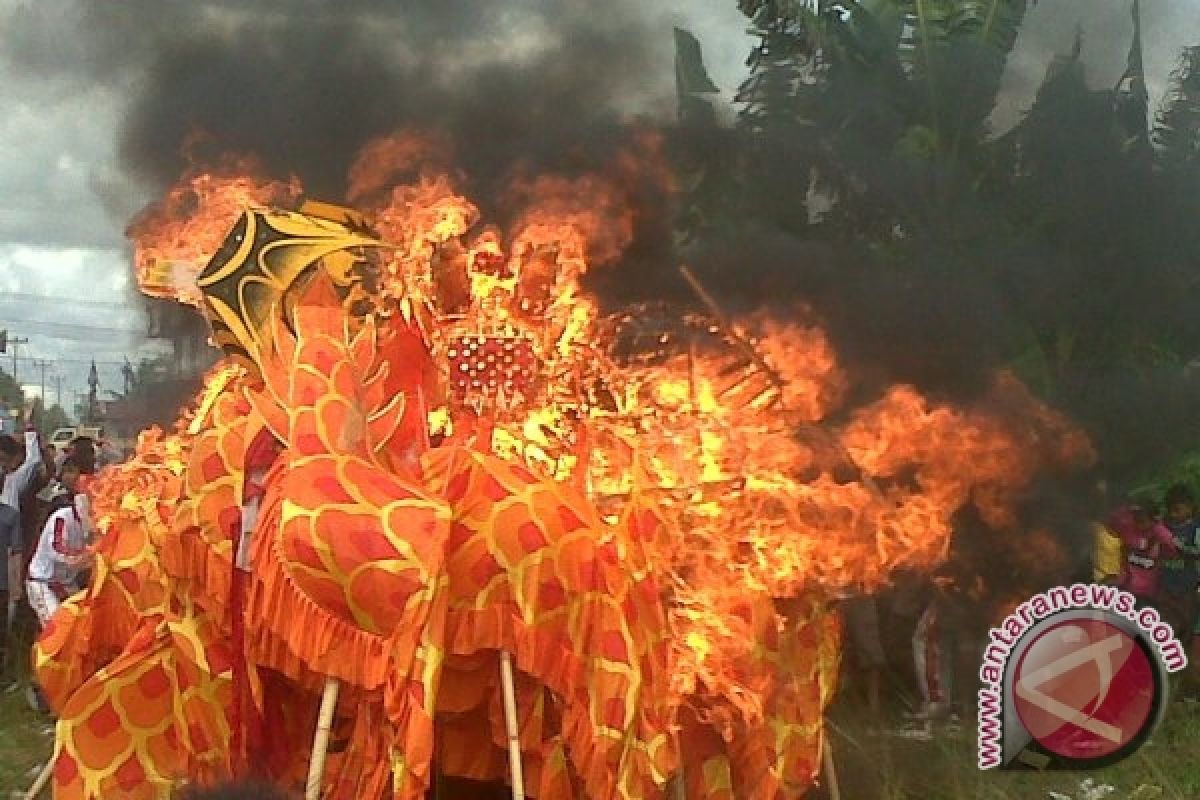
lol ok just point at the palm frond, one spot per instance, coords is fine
(1177, 123)
(958, 49)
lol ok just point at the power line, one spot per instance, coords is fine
(59, 300)
(68, 328)
(99, 362)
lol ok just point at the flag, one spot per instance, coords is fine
(3, 341)
(1132, 99)
(690, 75)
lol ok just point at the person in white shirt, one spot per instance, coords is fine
(60, 559)
(19, 469)
(61, 491)
(22, 468)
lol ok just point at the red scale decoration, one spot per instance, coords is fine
(490, 367)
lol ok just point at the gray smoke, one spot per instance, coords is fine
(536, 84)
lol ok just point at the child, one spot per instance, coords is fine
(931, 654)
(862, 626)
(60, 559)
(1147, 543)
(1178, 584)
(60, 493)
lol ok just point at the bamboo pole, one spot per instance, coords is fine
(316, 765)
(43, 778)
(835, 793)
(775, 378)
(510, 726)
(730, 329)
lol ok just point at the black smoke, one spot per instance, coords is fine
(523, 87)
(526, 86)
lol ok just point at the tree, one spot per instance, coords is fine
(11, 395)
(55, 417)
(1065, 249)
(780, 100)
(1177, 126)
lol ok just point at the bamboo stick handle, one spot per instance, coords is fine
(775, 378)
(510, 726)
(715, 309)
(316, 765)
(831, 779)
(43, 778)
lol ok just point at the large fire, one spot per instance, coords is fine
(763, 491)
(175, 237)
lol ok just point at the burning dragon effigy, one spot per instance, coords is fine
(428, 454)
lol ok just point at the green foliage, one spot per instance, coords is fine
(1069, 234)
(1177, 127)
(10, 393)
(54, 417)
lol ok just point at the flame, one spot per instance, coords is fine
(728, 434)
(385, 159)
(174, 238)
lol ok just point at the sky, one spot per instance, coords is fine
(65, 280)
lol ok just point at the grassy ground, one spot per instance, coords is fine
(871, 766)
(889, 767)
(25, 742)
(26, 738)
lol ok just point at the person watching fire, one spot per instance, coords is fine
(60, 559)
(1179, 577)
(21, 468)
(1147, 542)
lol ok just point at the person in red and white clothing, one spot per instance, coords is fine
(61, 557)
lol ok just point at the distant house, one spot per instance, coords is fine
(154, 403)
(158, 399)
(187, 332)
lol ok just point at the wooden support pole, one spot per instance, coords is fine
(727, 325)
(43, 778)
(316, 765)
(510, 726)
(831, 780)
(777, 380)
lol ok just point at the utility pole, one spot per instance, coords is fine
(42, 364)
(58, 391)
(16, 342)
(41, 406)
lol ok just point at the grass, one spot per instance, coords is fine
(26, 738)
(25, 742)
(870, 766)
(886, 767)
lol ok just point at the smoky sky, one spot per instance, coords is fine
(536, 85)
(529, 86)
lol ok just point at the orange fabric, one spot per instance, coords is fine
(401, 572)
(776, 756)
(533, 570)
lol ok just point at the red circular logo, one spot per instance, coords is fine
(1084, 689)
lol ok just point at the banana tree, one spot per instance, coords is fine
(1177, 127)
(914, 80)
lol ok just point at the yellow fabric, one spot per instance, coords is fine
(1106, 554)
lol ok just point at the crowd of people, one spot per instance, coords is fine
(1154, 554)
(1151, 550)
(45, 525)
(928, 610)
